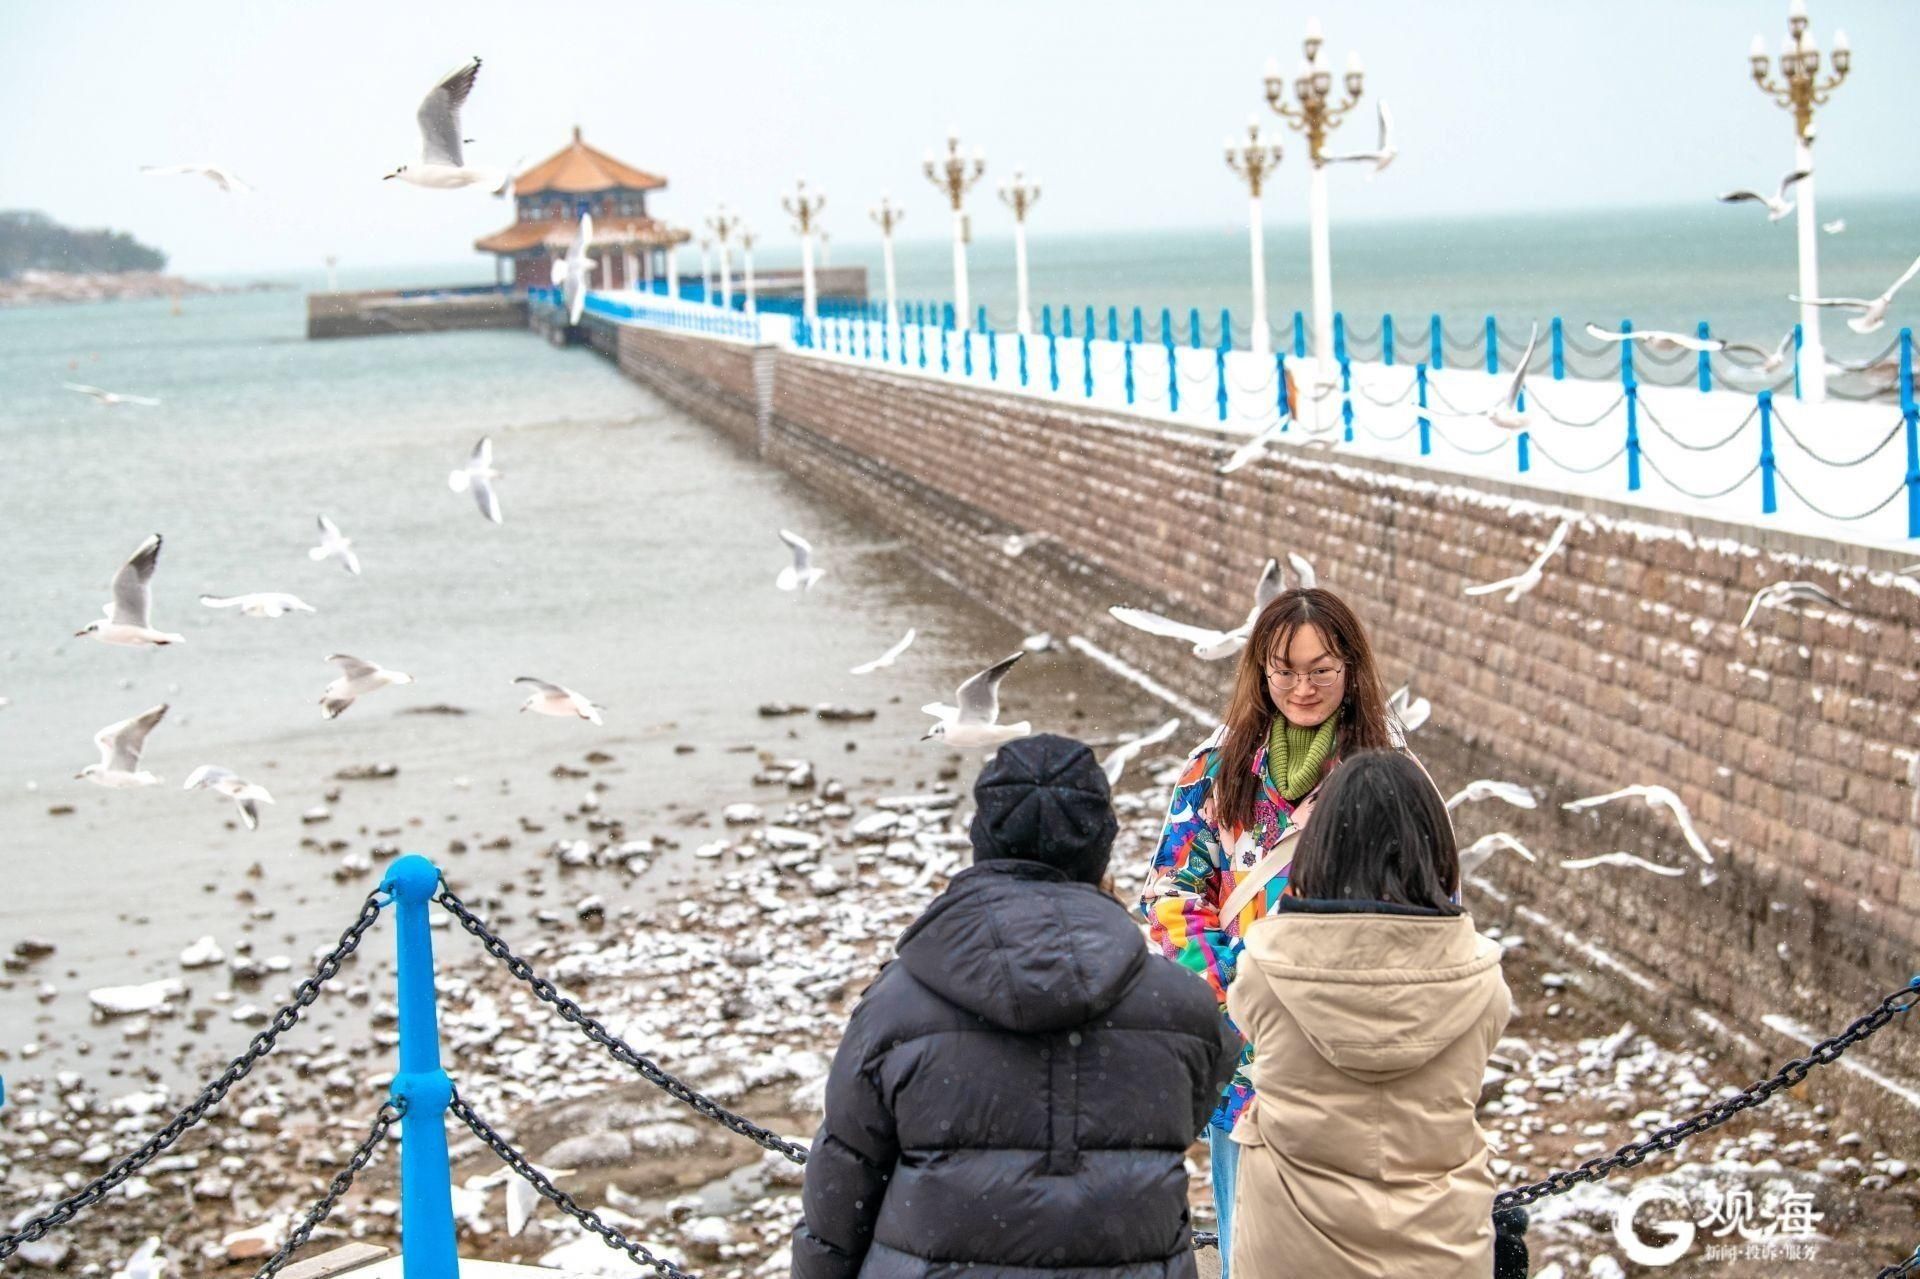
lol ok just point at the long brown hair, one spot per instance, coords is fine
(1251, 711)
(1379, 833)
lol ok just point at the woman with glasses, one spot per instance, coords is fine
(1306, 694)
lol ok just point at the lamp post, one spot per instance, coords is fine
(1253, 160)
(706, 269)
(1315, 115)
(1020, 195)
(955, 176)
(805, 210)
(886, 215)
(746, 255)
(724, 225)
(1800, 89)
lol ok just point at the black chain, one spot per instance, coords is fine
(1533, 401)
(1824, 513)
(1815, 454)
(1681, 489)
(390, 1112)
(560, 1198)
(1653, 419)
(284, 1020)
(1824, 1053)
(621, 1052)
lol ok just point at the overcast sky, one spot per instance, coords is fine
(1119, 107)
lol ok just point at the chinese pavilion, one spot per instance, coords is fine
(548, 201)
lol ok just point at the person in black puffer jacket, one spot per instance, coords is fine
(1017, 1093)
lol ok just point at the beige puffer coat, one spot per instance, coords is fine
(1371, 1032)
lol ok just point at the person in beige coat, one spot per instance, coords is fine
(1372, 1004)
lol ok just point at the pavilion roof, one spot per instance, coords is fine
(578, 169)
(559, 232)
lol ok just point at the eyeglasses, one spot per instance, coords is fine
(1319, 676)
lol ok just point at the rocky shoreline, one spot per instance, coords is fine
(37, 288)
(730, 958)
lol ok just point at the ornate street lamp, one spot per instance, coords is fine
(1800, 89)
(1315, 113)
(1253, 160)
(886, 215)
(955, 176)
(805, 211)
(746, 254)
(1020, 195)
(724, 225)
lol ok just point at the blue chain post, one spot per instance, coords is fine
(1493, 346)
(426, 1183)
(1280, 375)
(966, 352)
(1426, 424)
(1046, 321)
(1053, 360)
(1226, 329)
(1066, 322)
(1346, 398)
(1799, 339)
(1020, 340)
(1769, 499)
(886, 355)
(1340, 337)
(1220, 380)
(1633, 409)
(1136, 326)
(946, 365)
(993, 357)
(866, 337)
(1910, 414)
(1299, 335)
(1559, 350)
(1193, 327)
(1173, 364)
(1126, 357)
(1436, 358)
(980, 319)
(1386, 340)
(1113, 324)
(923, 345)
(1086, 356)
(1706, 360)
(946, 316)
(1090, 333)
(1526, 452)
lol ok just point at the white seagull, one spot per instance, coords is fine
(1382, 155)
(246, 795)
(1655, 797)
(110, 399)
(557, 699)
(801, 574)
(224, 178)
(1873, 311)
(1621, 859)
(1302, 569)
(1254, 447)
(1208, 645)
(1409, 711)
(1834, 227)
(120, 746)
(1662, 341)
(441, 165)
(1117, 759)
(1777, 205)
(1770, 361)
(126, 617)
(1782, 593)
(1507, 414)
(260, 603)
(1529, 577)
(573, 272)
(335, 545)
(1475, 791)
(887, 658)
(1477, 854)
(357, 679)
(477, 477)
(975, 721)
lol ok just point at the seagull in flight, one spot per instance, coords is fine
(477, 477)
(127, 618)
(575, 271)
(1382, 155)
(1621, 859)
(1208, 645)
(887, 658)
(1777, 205)
(558, 700)
(1529, 577)
(975, 721)
(120, 746)
(1254, 447)
(110, 399)
(801, 574)
(1661, 341)
(1303, 570)
(357, 679)
(441, 164)
(246, 796)
(1834, 227)
(1873, 311)
(1408, 711)
(1769, 361)
(1475, 791)
(1508, 415)
(335, 545)
(226, 179)
(1783, 593)
(1654, 797)
(260, 603)
(1117, 759)
(1480, 851)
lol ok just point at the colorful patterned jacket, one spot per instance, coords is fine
(1194, 872)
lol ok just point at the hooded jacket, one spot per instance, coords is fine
(1017, 1094)
(1372, 1026)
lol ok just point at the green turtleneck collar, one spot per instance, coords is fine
(1296, 755)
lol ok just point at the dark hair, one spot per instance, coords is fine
(1379, 833)
(1251, 710)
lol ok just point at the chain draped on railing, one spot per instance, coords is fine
(390, 1113)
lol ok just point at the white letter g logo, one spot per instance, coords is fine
(1679, 1232)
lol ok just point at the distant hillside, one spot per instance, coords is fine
(30, 240)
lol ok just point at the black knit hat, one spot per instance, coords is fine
(1045, 799)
